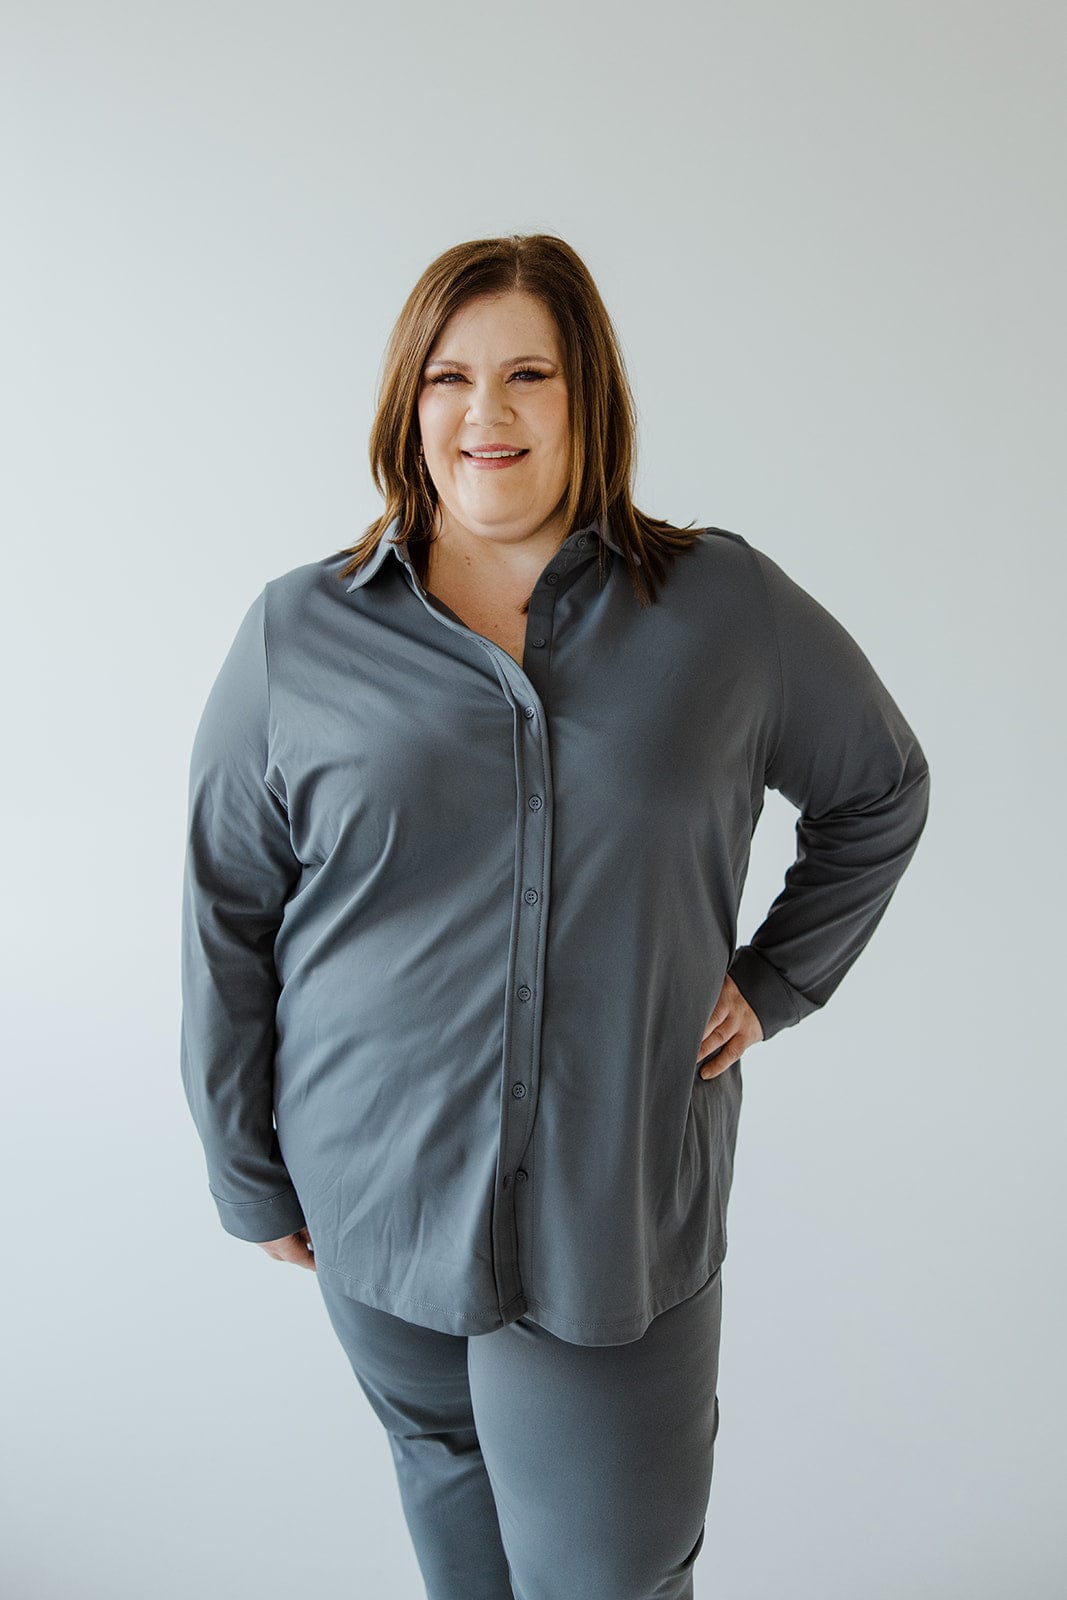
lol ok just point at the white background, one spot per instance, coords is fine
(831, 238)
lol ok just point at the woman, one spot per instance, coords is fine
(470, 806)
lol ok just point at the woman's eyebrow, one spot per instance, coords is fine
(447, 361)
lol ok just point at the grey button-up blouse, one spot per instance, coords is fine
(452, 928)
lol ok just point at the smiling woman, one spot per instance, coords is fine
(470, 815)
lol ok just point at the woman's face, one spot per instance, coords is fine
(494, 377)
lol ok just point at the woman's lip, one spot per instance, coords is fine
(483, 464)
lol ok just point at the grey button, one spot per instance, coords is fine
(537, 643)
(528, 711)
(536, 802)
(531, 897)
(524, 991)
(520, 1175)
(519, 1091)
(551, 577)
(583, 540)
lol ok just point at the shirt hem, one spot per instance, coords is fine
(573, 1330)
(624, 1330)
(425, 1313)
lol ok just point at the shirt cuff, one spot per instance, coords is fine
(261, 1220)
(772, 999)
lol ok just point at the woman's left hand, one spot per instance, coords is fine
(730, 1029)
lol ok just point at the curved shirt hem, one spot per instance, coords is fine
(573, 1330)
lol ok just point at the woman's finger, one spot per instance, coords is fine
(721, 1063)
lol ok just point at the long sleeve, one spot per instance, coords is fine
(843, 754)
(239, 870)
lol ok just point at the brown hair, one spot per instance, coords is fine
(603, 415)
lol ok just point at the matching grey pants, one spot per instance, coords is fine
(534, 1469)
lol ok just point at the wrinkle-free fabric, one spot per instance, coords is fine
(452, 927)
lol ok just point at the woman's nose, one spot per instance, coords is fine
(488, 403)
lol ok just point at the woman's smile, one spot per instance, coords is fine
(483, 463)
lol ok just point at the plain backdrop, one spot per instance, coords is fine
(831, 238)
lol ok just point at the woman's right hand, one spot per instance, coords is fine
(295, 1247)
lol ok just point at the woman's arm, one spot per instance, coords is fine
(844, 755)
(239, 871)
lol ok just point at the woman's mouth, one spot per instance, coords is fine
(492, 460)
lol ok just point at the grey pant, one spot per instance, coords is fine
(536, 1469)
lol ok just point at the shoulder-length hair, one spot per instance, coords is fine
(602, 413)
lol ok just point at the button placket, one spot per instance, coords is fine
(526, 974)
(525, 689)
